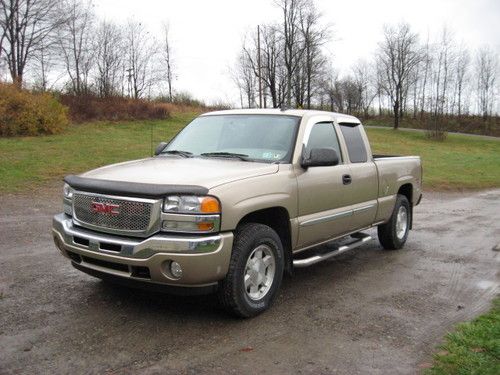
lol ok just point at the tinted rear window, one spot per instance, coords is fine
(355, 144)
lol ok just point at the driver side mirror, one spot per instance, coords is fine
(160, 148)
(320, 157)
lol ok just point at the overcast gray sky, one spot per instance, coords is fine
(207, 35)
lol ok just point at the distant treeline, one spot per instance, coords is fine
(61, 44)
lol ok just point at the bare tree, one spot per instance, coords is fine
(440, 79)
(365, 84)
(312, 61)
(245, 79)
(272, 71)
(292, 64)
(4, 21)
(398, 55)
(486, 70)
(425, 69)
(141, 50)
(442, 66)
(75, 41)
(109, 51)
(461, 71)
(25, 25)
(290, 10)
(44, 63)
(167, 58)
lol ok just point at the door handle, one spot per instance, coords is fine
(346, 179)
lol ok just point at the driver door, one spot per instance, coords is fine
(324, 199)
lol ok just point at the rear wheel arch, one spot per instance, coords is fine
(407, 190)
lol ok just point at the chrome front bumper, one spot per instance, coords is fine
(204, 259)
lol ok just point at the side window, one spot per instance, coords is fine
(355, 143)
(323, 136)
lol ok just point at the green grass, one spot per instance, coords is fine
(460, 162)
(472, 349)
(28, 163)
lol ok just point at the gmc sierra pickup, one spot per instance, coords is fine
(233, 201)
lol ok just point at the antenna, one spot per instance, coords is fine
(152, 125)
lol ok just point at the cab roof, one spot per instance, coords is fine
(339, 117)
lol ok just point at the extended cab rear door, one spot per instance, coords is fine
(363, 185)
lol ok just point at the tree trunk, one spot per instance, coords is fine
(17, 80)
(396, 114)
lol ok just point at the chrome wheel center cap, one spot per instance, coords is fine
(259, 272)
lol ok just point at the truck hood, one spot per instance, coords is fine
(182, 171)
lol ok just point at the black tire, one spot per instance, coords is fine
(387, 232)
(232, 292)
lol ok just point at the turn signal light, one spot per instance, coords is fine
(209, 205)
(205, 226)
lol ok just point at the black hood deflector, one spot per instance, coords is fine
(131, 189)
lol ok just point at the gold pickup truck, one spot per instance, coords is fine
(233, 201)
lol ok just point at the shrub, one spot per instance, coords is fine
(186, 99)
(25, 113)
(89, 108)
(470, 124)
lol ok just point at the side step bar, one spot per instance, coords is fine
(360, 239)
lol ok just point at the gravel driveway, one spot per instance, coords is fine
(368, 311)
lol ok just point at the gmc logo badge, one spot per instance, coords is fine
(105, 208)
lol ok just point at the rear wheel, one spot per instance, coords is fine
(255, 271)
(393, 234)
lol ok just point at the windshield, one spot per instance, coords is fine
(257, 137)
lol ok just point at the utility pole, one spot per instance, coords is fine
(259, 66)
(129, 81)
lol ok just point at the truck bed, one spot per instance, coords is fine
(393, 171)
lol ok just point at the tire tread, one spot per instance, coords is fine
(228, 288)
(387, 232)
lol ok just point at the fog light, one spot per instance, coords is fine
(176, 269)
(180, 226)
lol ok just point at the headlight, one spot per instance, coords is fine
(191, 214)
(68, 200)
(191, 204)
(68, 191)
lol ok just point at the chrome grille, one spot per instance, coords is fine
(133, 216)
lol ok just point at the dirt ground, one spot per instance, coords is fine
(367, 312)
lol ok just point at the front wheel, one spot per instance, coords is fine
(255, 271)
(393, 234)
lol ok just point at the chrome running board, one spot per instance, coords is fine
(360, 239)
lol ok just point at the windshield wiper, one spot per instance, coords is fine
(185, 154)
(226, 155)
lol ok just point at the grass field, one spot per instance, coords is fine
(27, 163)
(461, 162)
(30, 162)
(473, 349)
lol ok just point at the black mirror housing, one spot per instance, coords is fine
(320, 157)
(160, 148)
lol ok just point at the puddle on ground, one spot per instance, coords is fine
(486, 284)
